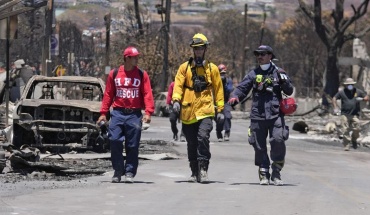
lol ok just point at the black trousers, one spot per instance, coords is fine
(197, 137)
(174, 117)
(226, 124)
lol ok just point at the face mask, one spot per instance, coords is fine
(265, 66)
(199, 61)
(350, 87)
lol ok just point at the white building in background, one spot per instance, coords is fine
(361, 72)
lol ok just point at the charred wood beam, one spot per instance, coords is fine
(16, 12)
(83, 171)
(2, 2)
(6, 5)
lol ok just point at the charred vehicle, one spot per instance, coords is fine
(60, 112)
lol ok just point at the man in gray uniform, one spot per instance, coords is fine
(350, 98)
(267, 83)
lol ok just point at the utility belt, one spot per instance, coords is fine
(127, 110)
(198, 89)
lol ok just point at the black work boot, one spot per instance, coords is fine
(276, 178)
(264, 176)
(175, 137)
(194, 171)
(277, 166)
(203, 168)
(117, 176)
(219, 136)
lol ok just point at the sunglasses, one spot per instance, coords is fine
(199, 48)
(260, 54)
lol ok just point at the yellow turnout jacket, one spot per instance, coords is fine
(198, 105)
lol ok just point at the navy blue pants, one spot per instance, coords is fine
(226, 124)
(278, 132)
(125, 129)
(197, 135)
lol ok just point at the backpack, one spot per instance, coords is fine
(115, 72)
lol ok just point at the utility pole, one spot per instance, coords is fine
(166, 44)
(48, 31)
(107, 19)
(245, 48)
(137, 14)
(263, 22)
(7, 87)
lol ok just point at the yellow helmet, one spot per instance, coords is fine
(199, 40)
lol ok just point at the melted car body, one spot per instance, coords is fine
(59, 111)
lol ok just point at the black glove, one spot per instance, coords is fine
(283, 78)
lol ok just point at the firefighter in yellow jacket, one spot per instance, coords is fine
(198, 96)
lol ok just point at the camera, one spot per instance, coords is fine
(199, 83)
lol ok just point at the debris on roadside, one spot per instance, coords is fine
(2, 161)
(300, 126)
(327, 127)
(28, 163)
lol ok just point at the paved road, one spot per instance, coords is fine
(319, 179)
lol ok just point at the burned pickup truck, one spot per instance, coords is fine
(59, 112)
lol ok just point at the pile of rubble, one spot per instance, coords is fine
(327, 128)
(30, 164)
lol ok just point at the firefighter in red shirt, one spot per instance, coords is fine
(127, 91)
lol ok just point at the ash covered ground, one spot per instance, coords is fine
(78, 168)
(320, 130)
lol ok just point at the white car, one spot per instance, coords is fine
(160, 104)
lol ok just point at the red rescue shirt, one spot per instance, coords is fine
(128, 90)
(169, 93)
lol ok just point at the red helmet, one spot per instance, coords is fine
(288, 105)
(222, 68)
(130, 52)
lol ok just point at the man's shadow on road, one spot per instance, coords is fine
(271, 184)
(135, 182)
(209, 182)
